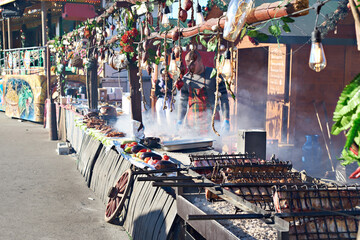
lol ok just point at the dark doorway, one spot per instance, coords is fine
(251, 88)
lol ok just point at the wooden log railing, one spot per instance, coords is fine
(261, 13)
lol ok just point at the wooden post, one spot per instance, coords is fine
(48, 73)
(52, 106)
(9, 33)
(43, 23)
(92, 74)
(154, 78)
(4, 33)
(49, 24)
(356, 14)
(87, 84)
(52, 109)
(135, 94)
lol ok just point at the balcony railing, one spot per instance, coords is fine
(23, 61)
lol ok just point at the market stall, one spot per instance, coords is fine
(155, 192)
(135, 192)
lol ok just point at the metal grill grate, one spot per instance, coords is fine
(237, 163)
(257, 187)
(319, 212)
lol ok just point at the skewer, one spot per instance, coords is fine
(323, 134)
(227, 216)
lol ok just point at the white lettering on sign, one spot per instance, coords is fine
(276, 70)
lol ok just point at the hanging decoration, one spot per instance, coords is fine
(199, 15)
(143, 54)
(128, 36)
(236, 18)
(165, 17)
(218, 80)
(22, 38)
(317, 59)
(165, 73)
(90, 41)
(211, 3)
(332, 20)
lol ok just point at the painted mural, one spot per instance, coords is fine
(24, 97)
(19, 99)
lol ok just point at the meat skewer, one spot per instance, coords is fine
(324, 228)
(304, 200)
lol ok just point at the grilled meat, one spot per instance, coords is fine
(324, 228)
(115, 134)
(304, 200)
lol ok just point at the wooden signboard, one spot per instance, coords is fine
(277, 106)
(277, 71)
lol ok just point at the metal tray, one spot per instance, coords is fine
(183, 144)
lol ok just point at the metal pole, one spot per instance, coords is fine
(52, 107)
(168, 178)
(182, 184)
(227, 216)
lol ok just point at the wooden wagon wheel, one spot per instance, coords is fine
(117, 196)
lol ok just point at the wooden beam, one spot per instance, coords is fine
(4, 33)
(92, 73)
(9, 33)
(109, 11)
(261, 13)
(356, 14)
(135, 94)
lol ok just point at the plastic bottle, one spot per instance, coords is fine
(312, 156)
(307, 158)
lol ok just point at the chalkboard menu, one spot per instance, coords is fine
(277, 70)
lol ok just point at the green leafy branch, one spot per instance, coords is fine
(275, 29)
(347, 118)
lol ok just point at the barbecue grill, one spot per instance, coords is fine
(314, 211)
(319, 212)
(268, 190)
(237, 163)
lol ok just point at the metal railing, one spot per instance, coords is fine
(23, 61)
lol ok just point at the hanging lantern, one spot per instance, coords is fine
(226, 69)
(317, 59)
(165, 17)
(182, 15)
(188, 5)
(108, 32)
(236, 18)
(199, 15)
(173, 68)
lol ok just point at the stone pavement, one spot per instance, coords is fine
(42, 195)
